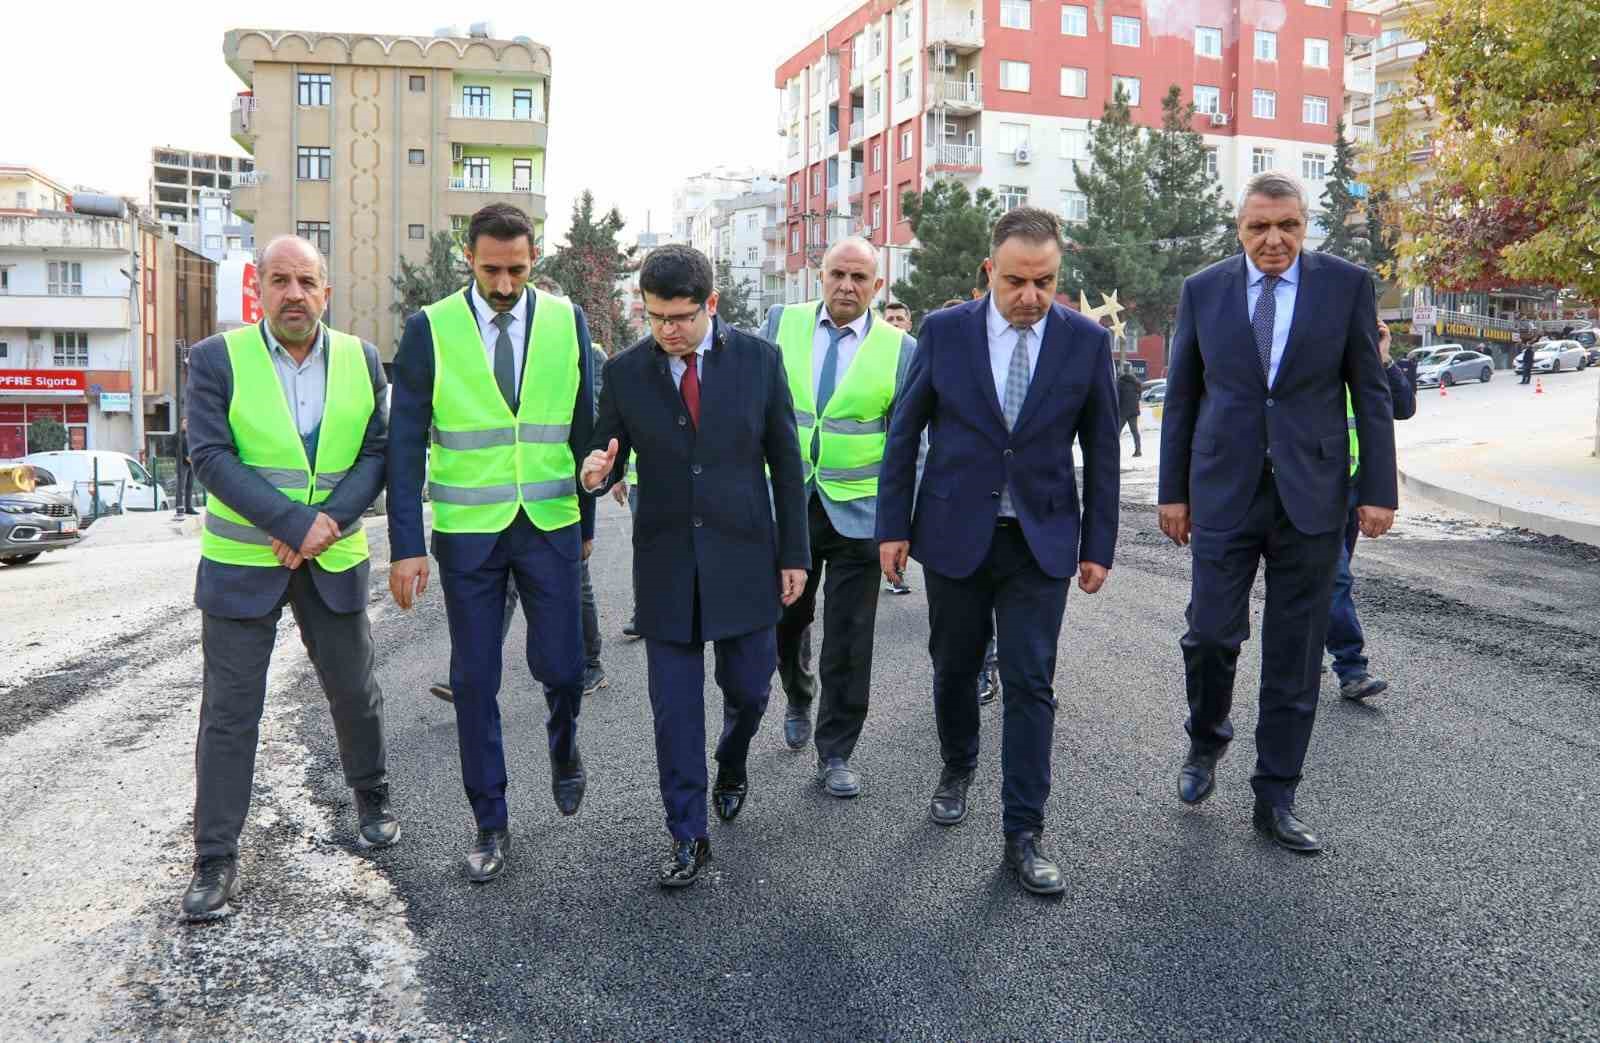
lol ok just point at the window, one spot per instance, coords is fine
(313, 164)
(750, 258)
(1014, 136)
(414, 232)
(1129, 85)
(317, 233)
(1074, 206)
(877, 156)
(315, 88)
(1124, 31)
(5, 352)
(1014, 76)
(212, 215)
(752, 222)
(877, 41)
(1012, 196)
(1207, 99)
(902, 81)
(139, 474)
(1262, 160)
(419, 84)
(22, 200)
(1211, 164)
(906, 143)
(416, 157)
(1264, 104)
(71, 348)
(522, 175)
(1266, 46)
(1074, 82)
(522, 103)
(458, 225)
(1318, 3)
(1314, 166)
(1015, 14)
(794, 238)
(902, 22)
(5, 278)
(235, 242)
(875, 96)
(794, 93)
(900, 197)
(66, 278)
(475, 171)
(1314, 109)
(1316, 53)
(213, 242)
(475, 102)
(816, 182)
(1074, 20)
(1074, 144)
(877, 212)
(1208, 42)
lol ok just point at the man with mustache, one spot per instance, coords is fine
(492, 395)
(286, 431)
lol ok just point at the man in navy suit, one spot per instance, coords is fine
(1255, 464)
(492, 400)
(1004, 384)
(707, 411)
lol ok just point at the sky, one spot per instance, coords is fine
(643, 92)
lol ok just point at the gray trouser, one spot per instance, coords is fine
(591, 618)
(237, 653)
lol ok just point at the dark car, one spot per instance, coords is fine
(1590, 339)
(34, 521)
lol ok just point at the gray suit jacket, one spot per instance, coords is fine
(852, 519)
(245, 592)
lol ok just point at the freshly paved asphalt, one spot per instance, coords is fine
(1459, 899)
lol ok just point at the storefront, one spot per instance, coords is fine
(93, 405)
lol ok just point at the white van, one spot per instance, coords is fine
(123, 480)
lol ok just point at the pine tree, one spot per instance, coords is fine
(587, 267)
(952, 228)
(441, 274)
(1346, 236)
(734, 305)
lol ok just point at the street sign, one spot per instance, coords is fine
(1422, 315)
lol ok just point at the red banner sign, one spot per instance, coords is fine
(249, 301)
(42, 382)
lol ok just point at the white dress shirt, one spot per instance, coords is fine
(517, 330)
(305, 384)
(676, 365)
(855, 333)
(1283, 311)
(1003, 341)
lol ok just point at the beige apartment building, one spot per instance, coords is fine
(367, 145)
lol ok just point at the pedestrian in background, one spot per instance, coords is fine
(1128, 403)
(1527, 357)
(185, 472)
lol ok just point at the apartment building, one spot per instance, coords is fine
(747, 235)
(1000, 94)
(185, 184)
(367, 145)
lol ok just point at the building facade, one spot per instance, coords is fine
(1001, 94)
(185, 186)
(368, 145)
(747, 237)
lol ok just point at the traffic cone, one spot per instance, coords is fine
(1538, 386)
(1442, 392)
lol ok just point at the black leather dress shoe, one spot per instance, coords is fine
(486, 858)
(1035, 870)
(797, 726)
(379, 826)
(684, 864)
(567, 782)
(838, 778)
(949, 805)
(630, 630)
(442, 691)
(729, 793)
(1198, 776)
(1281, 825)
(988, 687)
(212, 890)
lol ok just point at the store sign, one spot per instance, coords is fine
(1422, 315)
(116, 402)
(42, 382)
(1472, 329)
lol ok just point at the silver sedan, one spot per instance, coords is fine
(1454, 367)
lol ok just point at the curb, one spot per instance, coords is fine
(1582, 532)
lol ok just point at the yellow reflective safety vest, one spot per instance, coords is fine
(485, 463)
(269, 443)
(1355, 439)
(855, 425)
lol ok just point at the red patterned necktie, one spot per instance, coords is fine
(689, 387)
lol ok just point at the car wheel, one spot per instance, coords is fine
(1448, 380)
(1484, 376)
(20, 559)
(1555, 367)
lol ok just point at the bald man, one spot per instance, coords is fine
(845, 368)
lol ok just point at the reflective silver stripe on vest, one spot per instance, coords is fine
(328, 482)
(231, 530)
(543, 432)
(464, 496)
(847, 474)
(534, 491)
(854, 427)
(804, 419)
(283, 477)
(494, 436)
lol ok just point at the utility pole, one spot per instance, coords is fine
(135, 302)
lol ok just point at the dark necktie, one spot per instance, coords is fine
(1266, 311)
(826, 383)
(689, 388)
(505, 360)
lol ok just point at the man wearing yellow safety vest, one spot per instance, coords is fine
(845, 367)
(286, 432)
(492, 403)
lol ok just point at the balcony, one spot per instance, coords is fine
(856, 184)
(1358, 79)
(855, 78)
(514, 127)
(241, 123)
(858, 126)
(958, 96)
(831, 145)
(246, 199)
(474, 193)
(57, 311)
(63, 232)
(957, 159)
(961, 35)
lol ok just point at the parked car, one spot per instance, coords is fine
(1553, 356)
(33, 519)
(124, 483)
(1452, 367)
(1590, 339)
(1154, 396)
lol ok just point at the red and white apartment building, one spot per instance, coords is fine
(891, 94)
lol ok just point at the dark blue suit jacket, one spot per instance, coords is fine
(1220, 419)
(411, 417)
(706, 526)
(951, 391)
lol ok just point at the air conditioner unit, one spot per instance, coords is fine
(1219, 119)
(1023, 154)
(457, 152)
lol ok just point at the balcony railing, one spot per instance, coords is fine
(959, 32)
(244, 103)
(832, 142)
(249, 179)
(486, 184)
(855, 76)
(945, 155)
(858, 125)
(855, 185)
(1358, 79)
(958, 93)
(517, 113)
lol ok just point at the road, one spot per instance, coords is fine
(1457, 901)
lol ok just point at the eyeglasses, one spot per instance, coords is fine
(663, 322)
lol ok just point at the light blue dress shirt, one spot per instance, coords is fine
(1283, 313)
(305, 384)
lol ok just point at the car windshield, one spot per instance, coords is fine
(1434, 359)
(42, 477)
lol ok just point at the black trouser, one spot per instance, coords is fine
(849, 613)
(1294, 627)
(1133, 425)
(237, 654)
(185, 487)
(1026, 607)
(591, 618)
